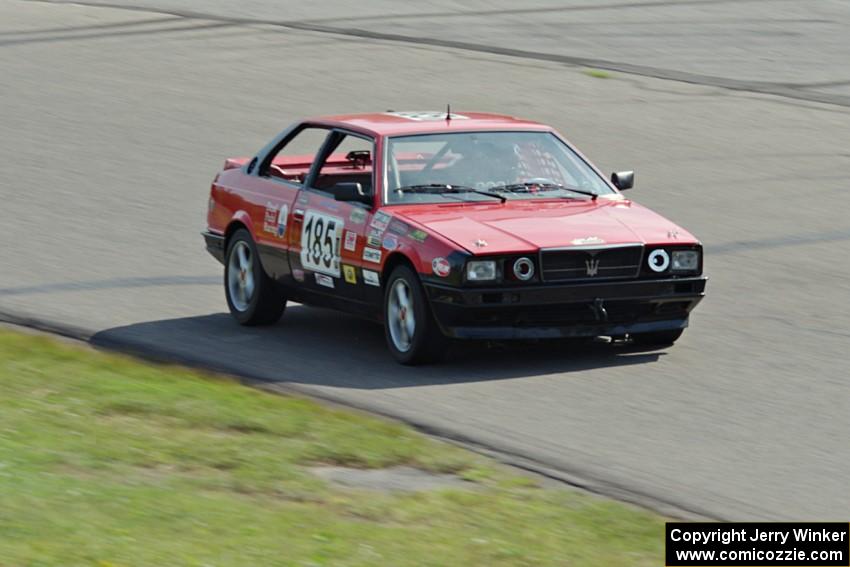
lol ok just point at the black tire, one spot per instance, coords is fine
(657, 338)
(264, 303)
(428, 343)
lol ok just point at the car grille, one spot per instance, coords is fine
(598, 263)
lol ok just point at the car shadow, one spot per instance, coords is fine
(325, 348)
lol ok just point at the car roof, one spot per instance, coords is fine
(394, 122)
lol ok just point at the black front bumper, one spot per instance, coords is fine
(573, 310)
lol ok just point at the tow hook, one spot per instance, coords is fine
(599, 309)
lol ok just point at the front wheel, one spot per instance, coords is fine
(657, 338)
(252, 297)
(411, 332)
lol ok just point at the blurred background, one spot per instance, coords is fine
(735, 115)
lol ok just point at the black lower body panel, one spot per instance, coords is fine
(215, 245)
(557, 311)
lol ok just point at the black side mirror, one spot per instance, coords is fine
(623, 180)
(348, 191)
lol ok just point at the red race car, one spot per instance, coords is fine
(439, 225)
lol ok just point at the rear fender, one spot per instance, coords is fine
(239, 218)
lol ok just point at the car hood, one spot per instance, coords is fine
(522, 225)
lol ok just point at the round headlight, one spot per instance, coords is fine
(658, 260)
(524, 269)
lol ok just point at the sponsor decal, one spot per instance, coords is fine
(270, 218)
(350, 240)
(441, 267)
(372, 255)
(380, 221)
(298, 274)
(371, 278)
(325, 281)
(673, 234)
(418, 235)
(321, 235)
(399, 227)
(350, 274)
(282, 216)
(357, 216)
(373, 238)
(480, 243)
(587, 240)
(390, 242)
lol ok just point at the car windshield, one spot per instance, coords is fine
(487, 166)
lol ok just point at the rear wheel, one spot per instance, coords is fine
(252, 296)
(657, 338)
(412, 334)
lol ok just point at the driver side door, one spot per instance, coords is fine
(331, 234)
(277, 185)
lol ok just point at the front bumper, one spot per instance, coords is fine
(572, 310)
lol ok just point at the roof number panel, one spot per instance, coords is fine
(426, 115)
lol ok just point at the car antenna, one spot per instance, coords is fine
(448, 112)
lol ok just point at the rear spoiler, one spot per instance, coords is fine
(235, 162)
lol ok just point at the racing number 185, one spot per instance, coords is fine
(320, 238)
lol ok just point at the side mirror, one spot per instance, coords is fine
(623, 180)
(348, 191)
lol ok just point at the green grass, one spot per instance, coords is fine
(597, 73)
(106, 461)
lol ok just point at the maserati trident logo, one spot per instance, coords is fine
(592, 265)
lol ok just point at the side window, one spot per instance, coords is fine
(293, 160)
(350, 161)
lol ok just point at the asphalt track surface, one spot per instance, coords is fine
(115, 120)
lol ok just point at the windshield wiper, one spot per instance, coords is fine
(544, 187)
(443, 188)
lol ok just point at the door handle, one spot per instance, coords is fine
(298, 214)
